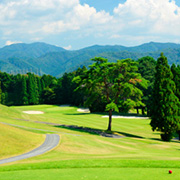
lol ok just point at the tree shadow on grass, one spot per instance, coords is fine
(103, 114)
(74, 114)
(130, 135)
(174, 140)
(88, 130)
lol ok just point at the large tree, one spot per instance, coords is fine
(165, 104)
(114, 84)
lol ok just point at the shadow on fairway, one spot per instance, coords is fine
(130, 135)
(74, 114)
(174, 140)
(89, 131)
(103, 114)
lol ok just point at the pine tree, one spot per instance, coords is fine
(36, 90)
(39, 86)
(17, 86)
(165, 104)
(24, 95)
(42, 84)
(32, 89)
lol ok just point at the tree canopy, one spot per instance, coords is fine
(114, 85)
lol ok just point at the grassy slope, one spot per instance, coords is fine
(141, 148)
(13, 140)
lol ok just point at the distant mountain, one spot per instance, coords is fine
(49, 59)
(22, 50)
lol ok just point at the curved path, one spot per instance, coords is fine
(51, 141)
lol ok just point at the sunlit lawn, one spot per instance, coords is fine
(138, 154)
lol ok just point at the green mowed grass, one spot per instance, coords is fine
(139, 154)
(93, 173)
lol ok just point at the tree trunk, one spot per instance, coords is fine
(110, 120)
(143, 108)
(179, 134)
(137, 110)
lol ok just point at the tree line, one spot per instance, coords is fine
(106, 86)
(31, 89)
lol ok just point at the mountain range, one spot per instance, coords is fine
(42, 58)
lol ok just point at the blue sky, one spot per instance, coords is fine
(107, 5)
(75, 24)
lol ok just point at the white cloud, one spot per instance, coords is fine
(150, 16)
(81, 16)
(132, 20)
(68, 47)
(12, 42)
(49, 16)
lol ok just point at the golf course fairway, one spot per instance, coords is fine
(83, 152)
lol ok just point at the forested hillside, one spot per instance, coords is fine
(41, 58)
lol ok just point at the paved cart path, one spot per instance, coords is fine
(51, 141)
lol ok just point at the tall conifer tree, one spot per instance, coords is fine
(24, 95)
(32, 89)
(165, 104)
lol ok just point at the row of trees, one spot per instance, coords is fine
(31, 89)
(120, 86)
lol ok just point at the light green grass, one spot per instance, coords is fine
(139, 154)
(93, 173)
(14, 141)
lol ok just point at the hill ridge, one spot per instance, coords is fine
(49, 59)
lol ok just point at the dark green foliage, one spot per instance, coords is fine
(176, 78)
(48, 96)
(165, 104)
(16, 87)
(32, 89)
(65, 90)
(24, 95)
(42, 84)
(147, 69)
(48, 81)
(113, 84)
